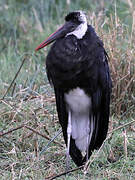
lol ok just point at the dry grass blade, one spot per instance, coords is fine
(38, 23)
(125, 143)
(45, 148)
(126, 88)
(64, 173)
(43, 135)
(15, 77)
(11, 130)
(122, 126)
(92, 159)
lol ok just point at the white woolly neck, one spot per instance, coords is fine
(80, 31)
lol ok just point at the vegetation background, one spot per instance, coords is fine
(28, 118)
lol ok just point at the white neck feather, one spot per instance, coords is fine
(80, 31)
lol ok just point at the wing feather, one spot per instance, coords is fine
(100, 106)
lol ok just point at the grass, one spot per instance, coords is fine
(28, 111)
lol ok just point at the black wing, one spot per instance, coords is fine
(101, 103)
(104, 96)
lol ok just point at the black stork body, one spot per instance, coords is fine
(77, 67)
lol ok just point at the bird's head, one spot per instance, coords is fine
(77, 17)
(75, 24)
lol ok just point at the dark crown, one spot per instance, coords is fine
(73, 16)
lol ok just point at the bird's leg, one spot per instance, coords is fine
(87, 150)
(91, 126)
(69, 130)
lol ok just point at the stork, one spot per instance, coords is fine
(77, 68)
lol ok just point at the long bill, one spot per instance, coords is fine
(61, 32)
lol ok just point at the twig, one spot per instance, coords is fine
(64, 173)
(11, 130)
(13, 89)
(45, 148)
(125, 143)
(13, 108)
(122, 126)
(90, 161)
(43, 135)
(14, 77)
(126, 88)
(129, 109)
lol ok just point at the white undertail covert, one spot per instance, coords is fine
(79, 104)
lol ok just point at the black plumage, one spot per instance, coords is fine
(83, 63)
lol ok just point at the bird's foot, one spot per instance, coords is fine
(67, 161)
